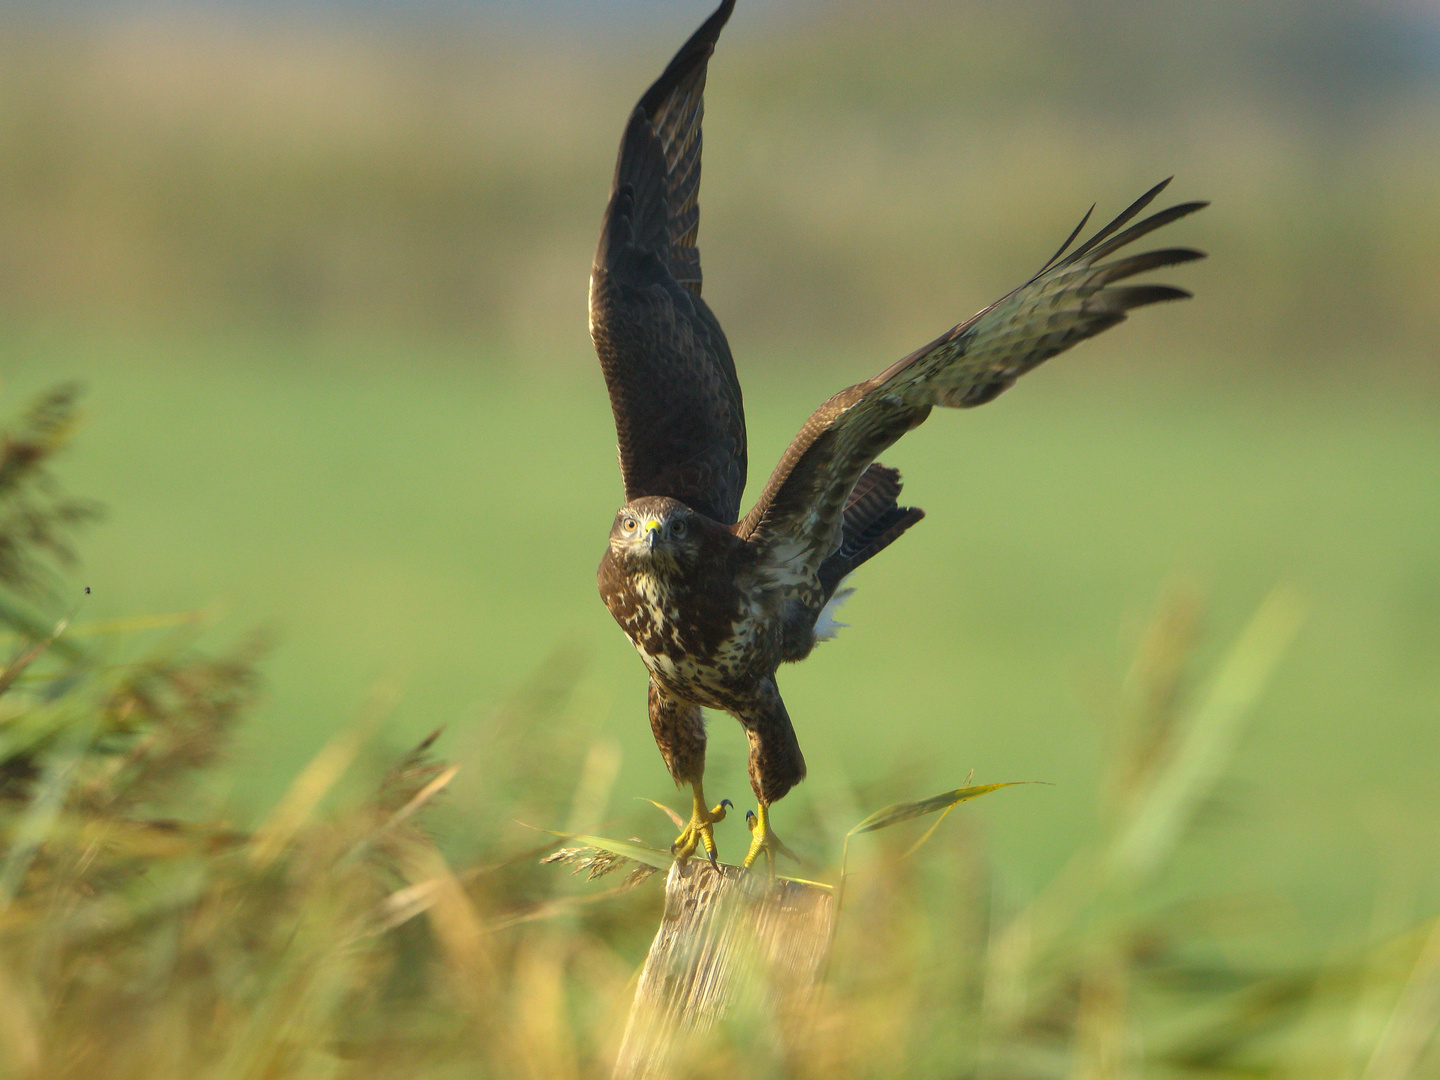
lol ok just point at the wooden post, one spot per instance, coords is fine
(727, 941)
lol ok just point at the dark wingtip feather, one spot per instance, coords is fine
(1150, 224)
(1149, 260)
(1128, 297)
(695, 52)
(1068, 241)
(1120, 219)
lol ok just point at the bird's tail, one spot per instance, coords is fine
(873, 521)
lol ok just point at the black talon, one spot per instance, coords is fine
(726, 802)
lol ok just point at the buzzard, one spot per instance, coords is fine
(714, 602)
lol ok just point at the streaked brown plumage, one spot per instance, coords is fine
(713, 602)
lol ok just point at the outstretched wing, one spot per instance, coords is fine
(679, 417)
(798, 516)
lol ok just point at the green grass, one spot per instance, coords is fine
(431, 518)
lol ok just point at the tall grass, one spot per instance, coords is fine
(143, 935)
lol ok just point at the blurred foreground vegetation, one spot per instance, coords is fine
(142, 934)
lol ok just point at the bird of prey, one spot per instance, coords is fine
(714, 602)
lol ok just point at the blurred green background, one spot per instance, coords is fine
(323, 269)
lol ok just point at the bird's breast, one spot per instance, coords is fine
(700, 633)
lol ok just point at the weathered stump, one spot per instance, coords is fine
(728, 943)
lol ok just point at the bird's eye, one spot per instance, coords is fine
(630, 524)
(678, 529)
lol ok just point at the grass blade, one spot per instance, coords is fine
(134, 624)
(1415, 1020)
(314, 782)
(423, 796)
(644, 854)
(45, 809)
(1205, 745)
(895, 813)
(17, 666)
(671, 814)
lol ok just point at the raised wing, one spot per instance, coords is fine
(679, 418)
(798, 516)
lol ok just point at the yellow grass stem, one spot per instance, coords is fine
(315, 780)
(1207, 740)
(1413, 1023)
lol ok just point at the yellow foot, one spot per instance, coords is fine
(700, 830)
(762, 838)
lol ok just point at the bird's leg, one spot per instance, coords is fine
(701, 829)
(762, 839)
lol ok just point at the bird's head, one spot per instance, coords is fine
(655, 528)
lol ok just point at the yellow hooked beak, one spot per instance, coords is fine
(651, 533)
